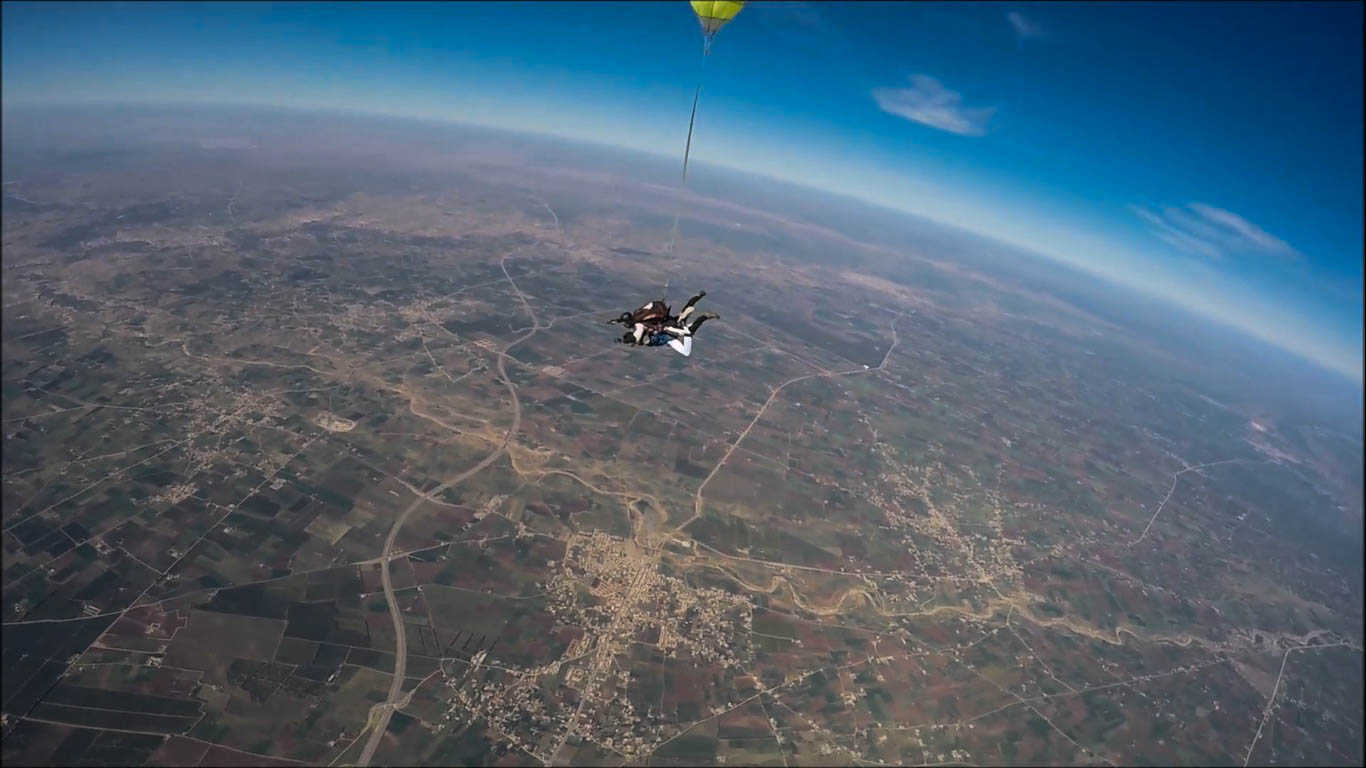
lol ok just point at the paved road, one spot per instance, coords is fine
(400, 638)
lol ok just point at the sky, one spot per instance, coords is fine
(1206, 153)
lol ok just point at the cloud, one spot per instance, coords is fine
(1176, 235)
(1200, 229)
(1245, 229)
(929, 103)
(1025, 29)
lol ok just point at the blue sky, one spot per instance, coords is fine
(1210, 153)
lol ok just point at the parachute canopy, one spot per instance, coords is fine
(713, 14)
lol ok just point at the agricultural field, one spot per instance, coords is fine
(311, 458)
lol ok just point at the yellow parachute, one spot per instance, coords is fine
(712, 15)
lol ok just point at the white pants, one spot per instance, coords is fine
(682, 346)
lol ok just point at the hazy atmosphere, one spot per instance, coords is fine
(377, 390)
(1207, 153)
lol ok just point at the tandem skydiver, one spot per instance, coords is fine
(653, 315)
(660, 333)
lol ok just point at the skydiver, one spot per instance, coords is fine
(656, 313)
(658, 334)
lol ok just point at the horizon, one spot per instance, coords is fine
(701, 172)
(1295, 290)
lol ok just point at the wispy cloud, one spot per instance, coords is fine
(1245, 230)
(929, 103)
(1204, 230)
(1177, 236)
(1025, 28)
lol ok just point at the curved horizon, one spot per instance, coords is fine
(1261, 233)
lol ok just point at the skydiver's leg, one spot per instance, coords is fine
(639, 332)
(682, 346)
(698, 323)
(688, 308)
(676, 331)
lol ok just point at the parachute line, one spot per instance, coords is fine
(687, 151)
(687, 147)
(711, 15)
